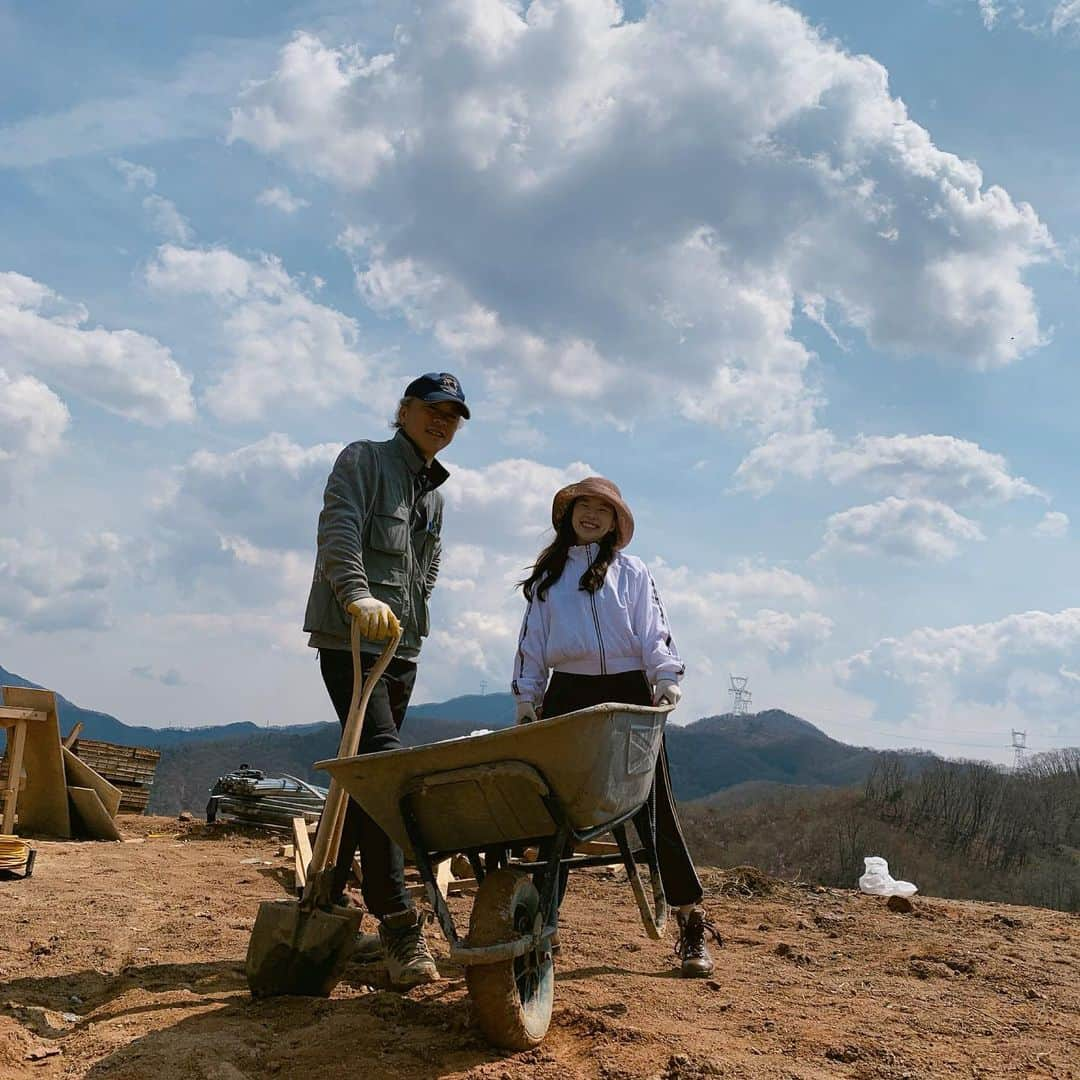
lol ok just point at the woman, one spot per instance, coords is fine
(594, 618)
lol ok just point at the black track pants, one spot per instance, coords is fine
(568, 693)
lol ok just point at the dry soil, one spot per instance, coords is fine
(124, 960)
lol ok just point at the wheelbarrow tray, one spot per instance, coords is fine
(491, 789)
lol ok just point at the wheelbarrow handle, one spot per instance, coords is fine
(328, 836)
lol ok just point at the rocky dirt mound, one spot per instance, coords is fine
(125, 961)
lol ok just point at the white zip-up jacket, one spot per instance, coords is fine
(621, 627)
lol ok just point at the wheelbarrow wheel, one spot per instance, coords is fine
(512, 998)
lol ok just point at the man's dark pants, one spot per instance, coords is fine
(381, 861)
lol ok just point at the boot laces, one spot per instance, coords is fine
(693, 931)
(407, 943)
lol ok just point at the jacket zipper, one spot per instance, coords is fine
(596, 619)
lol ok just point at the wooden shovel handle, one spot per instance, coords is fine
(332, 821)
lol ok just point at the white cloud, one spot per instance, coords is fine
(553, 191)
(45, 587)
(937, 466)
(135, 175)
(32, 425)
(753, 616)
(1033, 16)
(910, 529)
(282, 347)
(246, 520)
(1054, 525)
(990, 12)
(167, 220)
(281, 198)
(1065, 16)
(123, 371)
(506, 504)
(1013, 668)
(780, 632)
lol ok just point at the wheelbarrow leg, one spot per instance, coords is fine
(654, 921)
(427, 872)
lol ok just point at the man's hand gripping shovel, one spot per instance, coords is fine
(302, 947)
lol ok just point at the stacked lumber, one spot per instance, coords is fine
(130, 768)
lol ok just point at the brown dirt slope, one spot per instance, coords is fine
(124, 961)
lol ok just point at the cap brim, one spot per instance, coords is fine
(440, 396)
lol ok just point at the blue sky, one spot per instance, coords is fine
(801, 279)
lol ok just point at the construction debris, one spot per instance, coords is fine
(249, 795)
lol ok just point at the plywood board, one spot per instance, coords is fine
(95, 819)
(79, 774)
(43, 802)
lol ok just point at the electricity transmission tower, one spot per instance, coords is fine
(1019, 745)
(740, 696)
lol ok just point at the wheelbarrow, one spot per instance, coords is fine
(550, 785)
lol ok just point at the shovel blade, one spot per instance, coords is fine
(297, 952)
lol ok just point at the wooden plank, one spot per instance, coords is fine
(17, 744)
(97, 823)
(301, 850)
(597, 847)
(79, 774)
(72, 735)
(43, 803)
(9, 715)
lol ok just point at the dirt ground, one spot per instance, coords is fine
(125, 961)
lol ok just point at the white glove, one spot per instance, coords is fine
(526, 713)
(667, 693)
(374, 619)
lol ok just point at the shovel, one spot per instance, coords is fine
(302, 947)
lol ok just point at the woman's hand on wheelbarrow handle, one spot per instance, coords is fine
(526, 713)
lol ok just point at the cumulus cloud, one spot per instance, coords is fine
(753, 613)
(45, 587)
(281, 198)
(282, 347)
(935, 466)
(577, 198)
(1065, 16)
(123, 371)
(1021, 665)
(162, 213)
(255, 507)
(32, 425)
(914, 529)
(1054, 525)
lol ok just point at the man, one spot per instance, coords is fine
(378, 559)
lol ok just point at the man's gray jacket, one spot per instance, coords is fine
(378, 536)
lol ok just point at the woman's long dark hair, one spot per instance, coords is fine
(551, 562)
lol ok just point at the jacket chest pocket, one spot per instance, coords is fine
(388, 545)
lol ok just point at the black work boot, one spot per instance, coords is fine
(408, 959)
(691, 948)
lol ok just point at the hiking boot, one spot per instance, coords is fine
(408, 959)
(691, 948)
(368, 948)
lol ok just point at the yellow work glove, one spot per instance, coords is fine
(374, 619)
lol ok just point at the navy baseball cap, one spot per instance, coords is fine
(438, 386)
